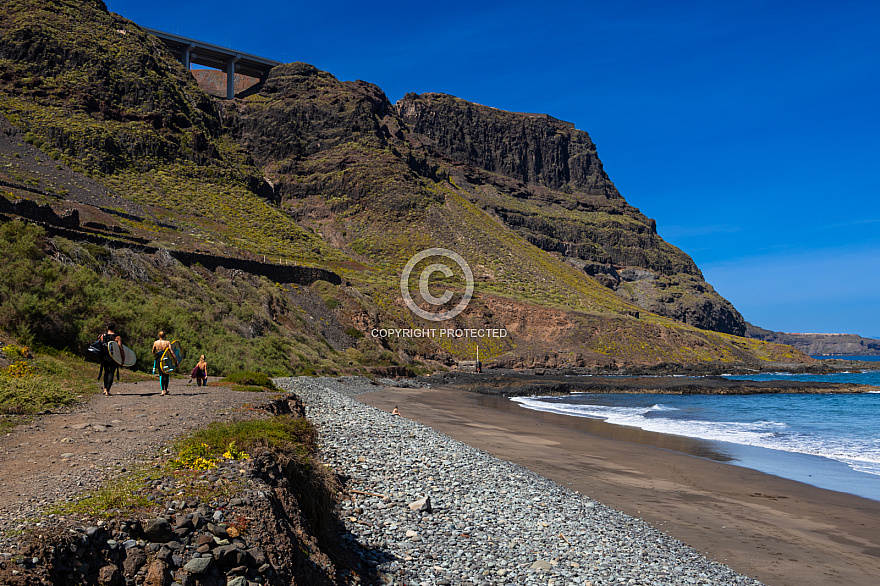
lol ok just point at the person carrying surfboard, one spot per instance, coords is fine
(109, 365)
(159, 347)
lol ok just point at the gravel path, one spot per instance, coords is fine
(491, 522)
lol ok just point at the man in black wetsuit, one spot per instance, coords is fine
(108, 363)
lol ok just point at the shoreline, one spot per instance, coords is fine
(519, 383)
(782, 531)
(818, 471)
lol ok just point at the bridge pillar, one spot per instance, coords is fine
(188, 55)
(230, 77)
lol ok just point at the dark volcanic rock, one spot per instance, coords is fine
(519, 384)
(158, 530)
(533, 148)
(230, 556)
(257, 556)
(604, 273)
(134, 559)
(198, 565)
(109, 575)
(310, 111)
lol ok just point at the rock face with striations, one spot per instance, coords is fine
(563, 202)
(533, 148)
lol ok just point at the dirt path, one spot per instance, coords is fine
(58, 456)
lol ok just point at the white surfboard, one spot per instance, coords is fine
(121, 354)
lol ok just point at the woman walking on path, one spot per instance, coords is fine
(108, 363)
(200, 372)
(159, 346)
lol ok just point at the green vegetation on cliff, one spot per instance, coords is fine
(240, 322)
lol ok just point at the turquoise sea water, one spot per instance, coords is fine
(832, 441)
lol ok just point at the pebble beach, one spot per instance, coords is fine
(487, 521)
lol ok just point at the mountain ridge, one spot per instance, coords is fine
(818, 344)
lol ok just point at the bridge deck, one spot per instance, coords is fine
(189, 51)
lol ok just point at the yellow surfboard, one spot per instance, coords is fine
(170, 359)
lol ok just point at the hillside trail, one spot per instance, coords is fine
(59, 456)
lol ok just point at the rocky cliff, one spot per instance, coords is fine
(562, 201)
(314, 135)
(533, 148)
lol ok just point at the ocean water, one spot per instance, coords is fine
(862, 358)
(831, 441)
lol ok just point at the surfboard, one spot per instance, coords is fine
(170, 360)
(121, 354)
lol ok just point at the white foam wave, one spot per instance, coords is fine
(746, 376)
(863, 456)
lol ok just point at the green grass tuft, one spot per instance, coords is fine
(252, 436)
(251, 379)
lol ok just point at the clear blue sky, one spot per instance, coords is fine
(749, 129)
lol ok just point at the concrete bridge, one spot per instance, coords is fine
(189, 51)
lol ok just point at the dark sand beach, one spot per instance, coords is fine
(780, 531)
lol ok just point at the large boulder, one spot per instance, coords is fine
(158, 530)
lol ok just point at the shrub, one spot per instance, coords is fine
(20, 369)
(253, 379)
(237, 440)
(194, 457)
(353, 332)
(31, 393)
(12, 352)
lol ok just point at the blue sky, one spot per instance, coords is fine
(749, 130)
